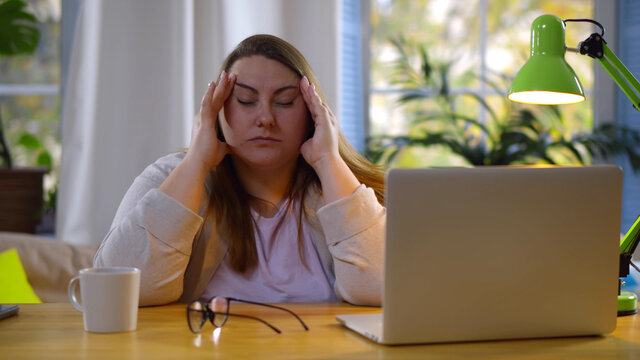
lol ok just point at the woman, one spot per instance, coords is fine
(269, 203)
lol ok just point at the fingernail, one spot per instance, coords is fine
(223, 75)
(210, 83)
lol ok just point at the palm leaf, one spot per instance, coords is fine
(18, 35)
(473, 155)
(470, 121)
(568, 145)
(412, 95)
(482, 102)
(425, 65)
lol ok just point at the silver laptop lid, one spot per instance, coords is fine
(501, 252)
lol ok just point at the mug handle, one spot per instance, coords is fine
(72, 290)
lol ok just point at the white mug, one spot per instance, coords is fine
(109, 298)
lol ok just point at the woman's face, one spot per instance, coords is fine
(266, 116)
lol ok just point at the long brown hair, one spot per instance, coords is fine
(231, 203)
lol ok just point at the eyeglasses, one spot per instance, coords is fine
(217, 311)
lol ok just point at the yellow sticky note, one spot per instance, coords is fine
(14, 287)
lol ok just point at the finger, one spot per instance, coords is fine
(323, 108)
(311, 98)
(205, 104)
(225, 86)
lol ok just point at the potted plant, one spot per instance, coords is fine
(21, 190)
(518, 135)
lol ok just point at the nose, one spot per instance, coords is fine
(265, 117)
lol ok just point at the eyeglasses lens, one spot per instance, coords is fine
(196, 316)
(220, 308)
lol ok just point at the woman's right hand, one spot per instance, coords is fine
(205, 149)
(185, 182)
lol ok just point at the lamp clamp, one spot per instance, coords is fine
(592, 46)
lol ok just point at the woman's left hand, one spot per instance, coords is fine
(323, 145)
(321, 150)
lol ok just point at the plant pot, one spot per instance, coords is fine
(21, 198)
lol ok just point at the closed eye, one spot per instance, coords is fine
(245, 102)
(284, 103)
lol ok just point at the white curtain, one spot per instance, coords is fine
(137, 73)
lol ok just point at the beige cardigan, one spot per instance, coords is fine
(178, 254)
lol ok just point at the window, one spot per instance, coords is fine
(482, 39)
(353, 69)
(30, 91)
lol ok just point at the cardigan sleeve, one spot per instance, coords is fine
(153, 232)
(354, 229)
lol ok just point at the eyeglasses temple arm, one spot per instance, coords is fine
(274, 307)
(257, 318)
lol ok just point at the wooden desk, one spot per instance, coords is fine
(55, 331)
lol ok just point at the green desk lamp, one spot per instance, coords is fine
(547, 79)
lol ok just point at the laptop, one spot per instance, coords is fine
(493, 253)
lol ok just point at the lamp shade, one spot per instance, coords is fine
(546, 78)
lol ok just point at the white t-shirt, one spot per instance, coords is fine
(280, 275)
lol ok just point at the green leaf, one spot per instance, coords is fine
(483, 103)
(44, 159)
(444, 84)
(573, 150)
(426, 67)
(18, 34)
(29, 141)
(407, 97)
(470, 121)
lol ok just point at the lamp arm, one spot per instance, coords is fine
(628, 245)
(630, 240)
(621, 75)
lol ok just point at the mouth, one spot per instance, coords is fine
(264, 140)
